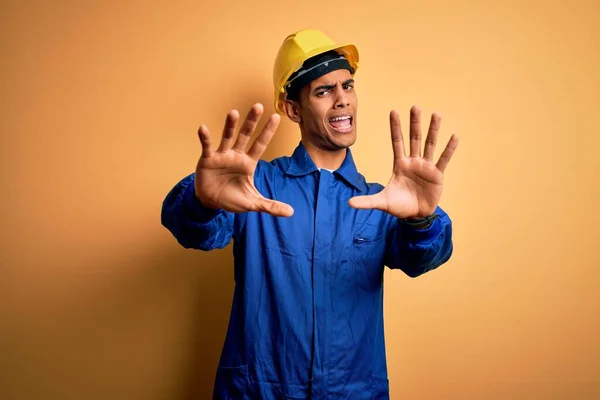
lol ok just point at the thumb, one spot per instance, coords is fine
(368, 202)
(276, 208)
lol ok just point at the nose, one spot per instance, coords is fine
(341, 99)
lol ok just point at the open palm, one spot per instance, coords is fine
(415, 188)
(225, 177)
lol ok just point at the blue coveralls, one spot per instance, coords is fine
(307, 314)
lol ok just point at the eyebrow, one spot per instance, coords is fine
(329, 87)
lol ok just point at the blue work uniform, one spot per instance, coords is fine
(307, 314)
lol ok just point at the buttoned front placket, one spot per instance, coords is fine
(321, 285)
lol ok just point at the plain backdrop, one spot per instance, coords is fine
(99, 107)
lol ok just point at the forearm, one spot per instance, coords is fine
(416, 251)
(192, 224)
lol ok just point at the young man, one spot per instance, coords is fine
(311, 236)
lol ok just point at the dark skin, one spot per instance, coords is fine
(225, 176)
(327, 97)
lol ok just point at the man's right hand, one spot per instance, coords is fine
(225, 177)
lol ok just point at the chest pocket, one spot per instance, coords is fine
(368, 249)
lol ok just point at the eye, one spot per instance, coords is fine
(323, 93)
(349, 86)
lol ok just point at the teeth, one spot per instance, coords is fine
(340, 118)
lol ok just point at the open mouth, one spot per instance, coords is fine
(341, 124)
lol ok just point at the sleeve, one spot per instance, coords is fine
(418, 251)
(193, 225)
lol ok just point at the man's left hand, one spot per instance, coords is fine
(415, 188)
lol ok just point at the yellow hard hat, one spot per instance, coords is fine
(299, 47)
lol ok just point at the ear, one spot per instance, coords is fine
(292, 110)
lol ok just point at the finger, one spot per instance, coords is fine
(415, 132)
(273, 207)
(204, 135)
(262, 141)
(447, 153)
(432, 135)
(229, 130)
(368, 202)
(397, 138)
(248, 127)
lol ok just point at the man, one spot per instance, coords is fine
(311, 236)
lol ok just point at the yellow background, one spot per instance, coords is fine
(99, 110)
